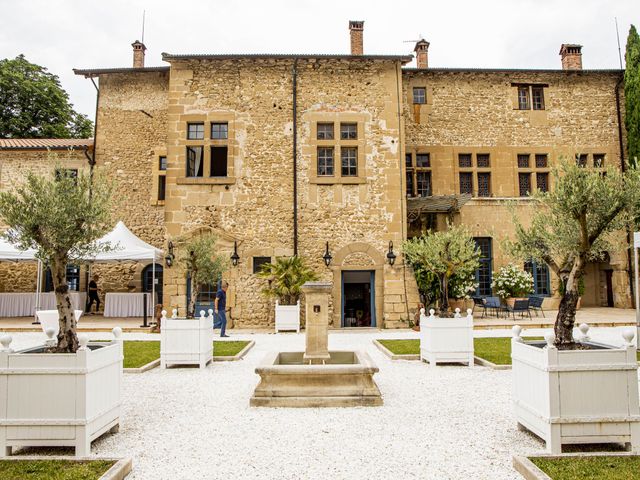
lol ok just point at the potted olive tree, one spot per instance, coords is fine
(445, 337)
(189, 341)
(67, 391)
(569, 391)
(285, 277)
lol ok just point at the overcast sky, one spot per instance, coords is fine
(66, 34)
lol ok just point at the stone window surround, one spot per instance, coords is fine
(419, 111)
(515, 87)
(532, 170)
(156, 174)
(474, 169)
(414, 152)
(207, 143)
(336, 118)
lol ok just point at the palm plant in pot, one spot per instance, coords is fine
(60, 216)
(557, 384)
(511, 283)
(285, 276)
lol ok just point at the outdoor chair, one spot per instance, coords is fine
(480, 303)
(494, 304)
(535, 304)
(521, 307)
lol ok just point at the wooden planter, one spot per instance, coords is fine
(446, 340)
(186, 341)
(576, 396)
(287, 317)
(59, 399)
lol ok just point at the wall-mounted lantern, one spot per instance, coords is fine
(168, 260)
(235, 257)
(391, 257)
(327, 256)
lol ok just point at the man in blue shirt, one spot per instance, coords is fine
(220, 307)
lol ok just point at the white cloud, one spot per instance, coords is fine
(68, 34)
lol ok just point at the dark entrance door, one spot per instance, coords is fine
(609, 277)
(358, 302)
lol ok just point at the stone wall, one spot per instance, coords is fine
(254, 205)
(477, 112)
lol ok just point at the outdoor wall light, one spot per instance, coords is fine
(168, 260)
(235, 257)
(327, 256)
(391, 257)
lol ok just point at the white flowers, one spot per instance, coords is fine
(511, 281)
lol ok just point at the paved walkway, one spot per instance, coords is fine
(449, 422)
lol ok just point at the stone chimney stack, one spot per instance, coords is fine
(571, 56)
(356, 28)
(138, 54)
(422, 53)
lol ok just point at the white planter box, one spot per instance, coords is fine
(446, 340)
(186, 341)
(576, 396)
(287, 317)
(59, 399)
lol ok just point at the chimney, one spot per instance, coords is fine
(356, 28)
(138, 54)
(422, 53)
(571, 56)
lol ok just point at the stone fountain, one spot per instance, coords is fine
(316, 377)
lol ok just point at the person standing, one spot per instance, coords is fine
(93, 294)
(221, 306)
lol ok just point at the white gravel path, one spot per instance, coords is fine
(447, 422)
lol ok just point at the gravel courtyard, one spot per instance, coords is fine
(449, 422)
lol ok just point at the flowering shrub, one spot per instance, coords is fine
(462, 285)
(511, 281)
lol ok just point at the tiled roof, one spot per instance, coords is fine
(92, 72)
(44, 143)
(509, 70)
(223, 56)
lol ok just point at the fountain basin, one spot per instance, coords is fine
(345, 380)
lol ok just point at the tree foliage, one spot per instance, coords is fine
(447, 254)
(286, 275)
(34, 105)
(632, 95)
(579, 221)
(198, 258)
(60, 216)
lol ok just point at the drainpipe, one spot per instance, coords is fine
(623, 167)
(92, 163)
(294, 74)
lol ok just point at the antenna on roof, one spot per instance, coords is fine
(143, 12)
(618, 35)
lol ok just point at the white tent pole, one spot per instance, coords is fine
(153, 287)
(38, 282)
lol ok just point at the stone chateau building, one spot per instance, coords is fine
(348, 154)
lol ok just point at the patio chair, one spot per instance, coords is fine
(480, 303)
(535, 304)
(494, 304)
(521, 307)
(50, 319)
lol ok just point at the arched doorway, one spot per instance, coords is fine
(147, 280)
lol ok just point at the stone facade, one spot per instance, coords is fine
(144, 116)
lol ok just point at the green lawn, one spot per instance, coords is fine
(590, 468)
(495, 350)
(228, 348)
(53, 469)
(139, 353)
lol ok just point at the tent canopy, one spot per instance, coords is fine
(126, 246)
(9, 252)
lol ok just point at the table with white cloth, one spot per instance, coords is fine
(24, 304)
(126, 304)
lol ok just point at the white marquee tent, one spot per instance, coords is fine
(125, 246)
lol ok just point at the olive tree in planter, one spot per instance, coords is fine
(567, 391)
(452, 256)
(189, 341)
(285, 277)
(449, 254)
(67, 391)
